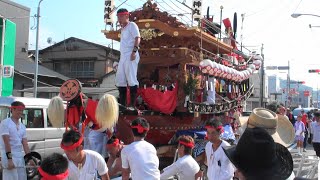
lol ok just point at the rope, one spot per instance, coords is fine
(32, 79)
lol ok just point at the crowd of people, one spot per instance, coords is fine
(260, 152)
(244, 148)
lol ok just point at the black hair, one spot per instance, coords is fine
(17, 103)
(122, 10)
(71, 136)
(112, 140)
(54, 164)
(186, 139)
(144, 123)
(273, 106)
(213, 122)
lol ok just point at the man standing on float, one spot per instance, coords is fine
(129, 58)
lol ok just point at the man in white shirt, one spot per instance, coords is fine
(83, 164)
(186, 166)
(219, 166)
(140, 157)
(14, 144)
(129, 58)
(315, 130)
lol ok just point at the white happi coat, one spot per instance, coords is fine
(219, 166)
(127, 69)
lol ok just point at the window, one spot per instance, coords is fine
(58, 67)
(82, 69)
(4, 112)
(33, 118)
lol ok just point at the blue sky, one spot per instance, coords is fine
(266, 21)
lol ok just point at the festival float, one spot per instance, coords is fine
(186, 75)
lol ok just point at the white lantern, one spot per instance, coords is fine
(205, 62)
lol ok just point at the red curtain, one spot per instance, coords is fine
(164, 102)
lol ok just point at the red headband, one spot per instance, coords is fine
(115, 143)
(219, 128)
(122, 13)
(17, 107)
(73, 146)
(46, 176)
(140, 128)
(190, 144)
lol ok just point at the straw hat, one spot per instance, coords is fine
(278, 126)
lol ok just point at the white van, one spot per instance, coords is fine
(42, 137)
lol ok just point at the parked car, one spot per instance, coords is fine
(297, 111)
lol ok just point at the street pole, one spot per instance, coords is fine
(262, 79)
(221, 7)
(288, 97)
(2, 50)
(241, 37)
(317, 94)
(35, 81)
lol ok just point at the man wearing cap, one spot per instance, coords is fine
(54, 167)
(315, 131)
(219, 166)
(114, 148)
(14, 144)
(83, 164)
(257, 156)
(129, 58)
(186, 166)
(140, 157)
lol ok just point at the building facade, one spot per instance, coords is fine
(80, 59)
(274, 88)
(254, 100)
(24, 67)
(20, 15)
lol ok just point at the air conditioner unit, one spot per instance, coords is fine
(7, 71)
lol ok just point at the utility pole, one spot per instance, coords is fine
(35, 80)
(241, 37)
(317, 95)
(288, 91)
(262, 79)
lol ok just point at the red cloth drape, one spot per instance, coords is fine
(90, 111)
(73, 115)
(164, 102)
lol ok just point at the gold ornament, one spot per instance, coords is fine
(147, 25)
(148, 34)
(176, 33)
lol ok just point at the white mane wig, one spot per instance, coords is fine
(56, 111)
(107, 111)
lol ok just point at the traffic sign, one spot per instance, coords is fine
(272, 67)
(314, 70)
(283, 67)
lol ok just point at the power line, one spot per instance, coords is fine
(297, 6)
(32, 79)
(170, 10)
